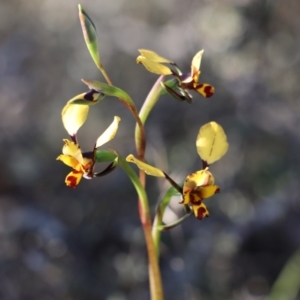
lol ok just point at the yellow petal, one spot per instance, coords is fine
(200, 211)
(74, 116)
(211, 142)
(197, 195)
(154, 67)
(72, 149)
(109, 133)
(205, 89)
(145, 167)
(198, 179)
(205, 192)
(196, 65)
(70, 161)
(191, 197)
(153, 56)
(87, 164)
(73, 178)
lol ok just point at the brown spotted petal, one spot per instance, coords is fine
(198, 186)
(205, 192)
(200, 211)
(197, 179)
(205, 89)
(73, 178)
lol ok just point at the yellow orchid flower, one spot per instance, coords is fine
(211, 145)
(72, 157)
(155, 63)
(83, 164)
(197, 186)
(190, 81)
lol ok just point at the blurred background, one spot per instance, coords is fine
(87, 243)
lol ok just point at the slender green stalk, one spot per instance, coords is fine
(159, 216)
(145, 216)
(140, 141)
(154, 271)
(105, 75)
(90, 36)
(144, 211)
(149, 103)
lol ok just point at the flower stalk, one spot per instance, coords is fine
(154, 271)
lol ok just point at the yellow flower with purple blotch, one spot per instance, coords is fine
(211, 145)
(83, 163)
(184, 82)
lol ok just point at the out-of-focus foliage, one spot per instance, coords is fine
(57, 243)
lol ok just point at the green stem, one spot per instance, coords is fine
(158, 221)
(140, 141)
(154, 271)
(144, 211)
(105, 75)
(149, 103)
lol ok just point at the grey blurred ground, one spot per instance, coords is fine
(60, 243)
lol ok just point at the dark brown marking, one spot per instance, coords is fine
(72, 181)
(208, 90)
(204, 164)
(200, 213)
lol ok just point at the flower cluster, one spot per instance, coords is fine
(211, 141)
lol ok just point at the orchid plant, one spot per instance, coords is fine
(211, 143)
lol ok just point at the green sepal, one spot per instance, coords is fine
(177, 71)
(173, 92)
(171, 83)
(188, 96)
(89, 98)
(101, 156)
(89, 34)
(108, 90)
(178, 93)
(174, 224)
(108, 169)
